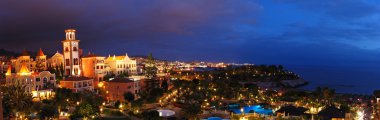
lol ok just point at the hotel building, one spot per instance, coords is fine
(116, 88)
(121, 64)
(75, 81)
(40, 84)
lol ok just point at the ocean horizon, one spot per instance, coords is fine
(344, 79)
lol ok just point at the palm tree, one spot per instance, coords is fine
(17, 100)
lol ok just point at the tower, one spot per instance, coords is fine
(41, 61)
(71, 54)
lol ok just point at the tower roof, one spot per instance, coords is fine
(40, 53)
(70, 30)
(58, 54)
(25, 53)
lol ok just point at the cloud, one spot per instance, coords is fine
(109, 27)
(340, 9)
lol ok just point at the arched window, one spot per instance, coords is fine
(76, 61)
(75, 49)
(67, 62)
(45, 80)
(66, 49)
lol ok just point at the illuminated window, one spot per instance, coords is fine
(76, 71)
(67, 62)
(76, 61)
(45, 80)
(67, 71)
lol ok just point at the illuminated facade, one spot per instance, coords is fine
(37, 64)
(78, 84)
(71, 53)
(24, 58)
(40, 84)
(93, 66)
(121, 64)
(116, 88)
(40, 62)
(55, 60)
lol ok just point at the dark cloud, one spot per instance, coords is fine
(341, 9)
(114, 27)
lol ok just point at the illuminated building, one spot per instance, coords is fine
(78, 84)
(93, 66)
(121, 64)
(40, 62)
(116, 88)
(24, 58)
(40, 84)
(72, 65)
(55, 60)
(71, 53)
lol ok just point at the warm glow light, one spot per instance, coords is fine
(243, 118)
(34, 94)
(100, 84)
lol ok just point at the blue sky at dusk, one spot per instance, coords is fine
(290, 32)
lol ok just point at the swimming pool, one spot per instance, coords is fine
(255, 108)
(214, 118)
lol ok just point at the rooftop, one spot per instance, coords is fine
(40, 53)
(25, 53)
(92, 55)
(76, 79)
(121, 80)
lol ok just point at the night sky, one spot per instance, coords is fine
(341, 34)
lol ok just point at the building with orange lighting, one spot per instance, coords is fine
(37, 64)
(93, 66)
(55, 60)
(40, 62)
(78, 84)
(116, 88)
(39, 84)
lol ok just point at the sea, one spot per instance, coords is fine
(344, 79)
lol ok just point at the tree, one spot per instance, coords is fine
(117, 104)
(128, 96)
(164, 85)
(137, 104)
(151, 115)
(192, 111)
(48, 111)
(16, 100)
(124, 74)
(108, 76)
(83, 111)
(150, 67)
(376, 93)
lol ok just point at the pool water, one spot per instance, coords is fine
(256, 108)
(214, 118)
